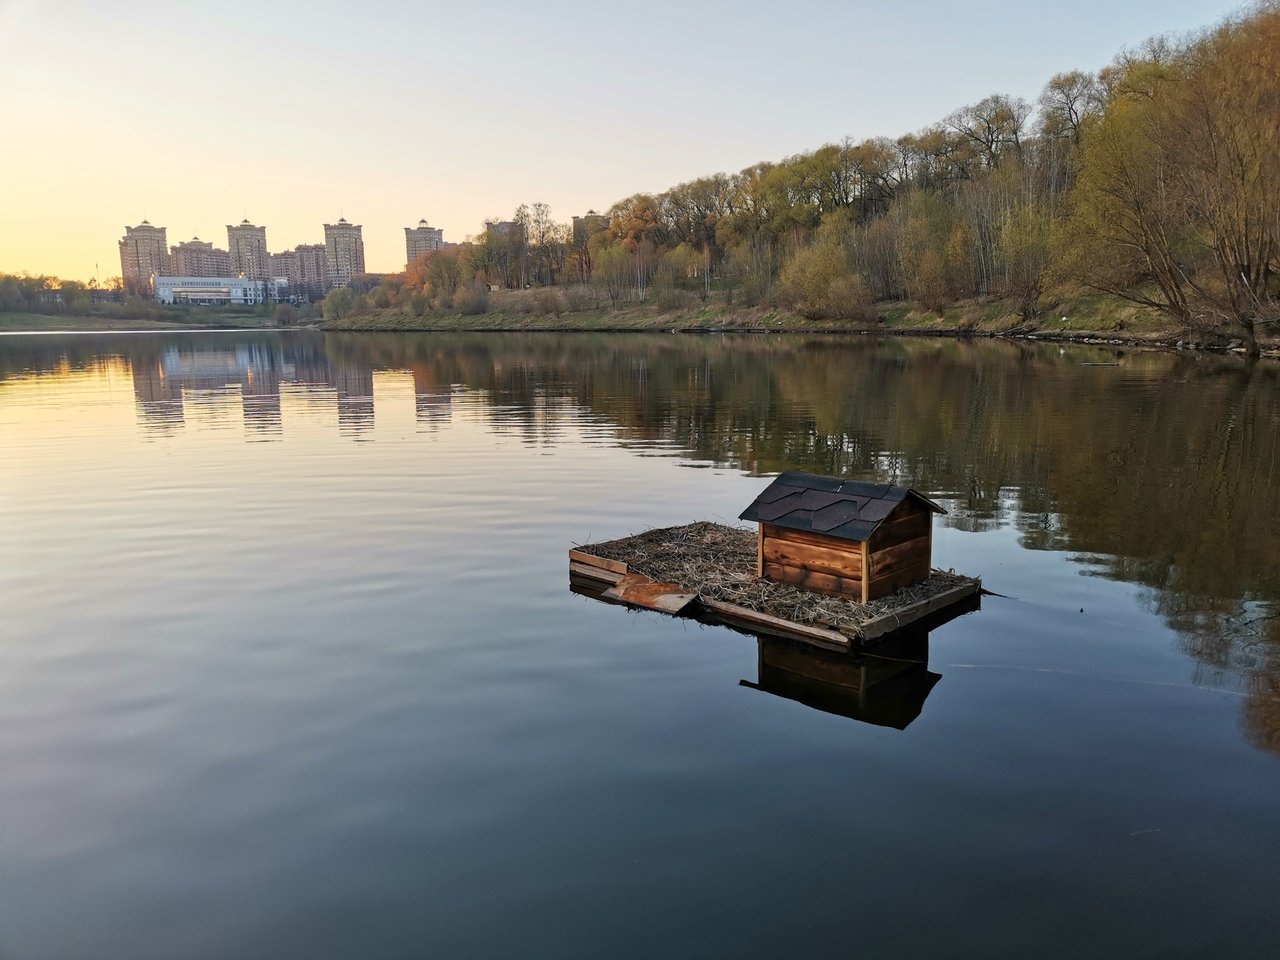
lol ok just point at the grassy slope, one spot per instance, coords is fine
(511, 310)
(1075, 315)
(626, 318)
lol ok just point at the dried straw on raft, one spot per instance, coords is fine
(719, 563)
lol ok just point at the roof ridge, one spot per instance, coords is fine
(840, 507)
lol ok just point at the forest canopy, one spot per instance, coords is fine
(1154, 179)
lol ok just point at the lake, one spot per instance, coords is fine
(290, 667)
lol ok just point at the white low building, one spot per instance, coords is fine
(237, 291)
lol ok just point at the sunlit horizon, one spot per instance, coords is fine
(294, 116)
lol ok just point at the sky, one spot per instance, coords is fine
(293, 114)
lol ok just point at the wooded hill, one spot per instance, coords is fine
(1156, 179)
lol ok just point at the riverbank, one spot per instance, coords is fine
(79, 323)
(1086, 318)
(1089, 318)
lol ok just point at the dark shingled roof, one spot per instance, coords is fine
(847, 509)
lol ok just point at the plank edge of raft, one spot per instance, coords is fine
(889, 622)
(602, 563)
(735, 615)
(611, 572)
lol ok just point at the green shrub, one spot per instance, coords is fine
(338, 303)
(819, 284)
(472, 299)
(578, 299)
(550, 301)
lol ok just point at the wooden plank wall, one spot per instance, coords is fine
(900, 551)
(811, 561)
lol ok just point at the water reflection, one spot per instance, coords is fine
(202, 381)
(886, 686)
(1158, 472)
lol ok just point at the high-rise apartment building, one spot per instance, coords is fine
(247, 245)
(305, 269)
(421, 239)
(505, 228)
(196, 258)
(284, 266)
(313, 268)
(143, 253)
(344, 252)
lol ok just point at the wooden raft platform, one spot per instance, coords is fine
(694, 570)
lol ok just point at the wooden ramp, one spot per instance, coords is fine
(611, 580)
(640, 591)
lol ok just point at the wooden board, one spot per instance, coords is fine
(638, 590)
(595, 574)
(882, 586)
(846, 563)
(913, 554)
(917, 611)
(811, 580)
(616, 566)
(901, 527)
(755, 621)
(802, 536)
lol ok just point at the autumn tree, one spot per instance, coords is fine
(925, 224)
(1024, 252)
(612, 272)
(1177, 205)
(338, 303)
(819, 280)
(447, 271)
(1068, 101)
(993, 127)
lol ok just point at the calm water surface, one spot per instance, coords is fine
(289, 666)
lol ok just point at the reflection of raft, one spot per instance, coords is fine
(709, 571)
(887, 687)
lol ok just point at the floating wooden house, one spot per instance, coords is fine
(842, 537)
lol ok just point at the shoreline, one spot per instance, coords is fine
(1157, 339)
(1163, 340)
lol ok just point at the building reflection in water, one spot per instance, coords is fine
(433, 399)
(177, 383)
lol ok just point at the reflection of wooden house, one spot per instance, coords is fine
(887, 688)
(884, 683)
(843, 537)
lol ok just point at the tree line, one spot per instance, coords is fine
(44, 294)
(1155, 179)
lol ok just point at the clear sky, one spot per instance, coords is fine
(196, 115)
